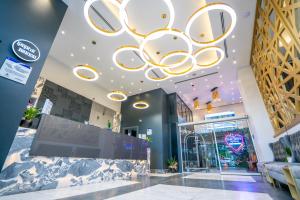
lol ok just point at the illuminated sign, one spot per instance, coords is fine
(234, 141)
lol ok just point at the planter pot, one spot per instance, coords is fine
(289, 159)
(26, 123)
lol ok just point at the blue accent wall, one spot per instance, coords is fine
(156, 117)
(34, 20)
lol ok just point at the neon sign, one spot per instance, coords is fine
(234, 141)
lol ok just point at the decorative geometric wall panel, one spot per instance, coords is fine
(275, 60)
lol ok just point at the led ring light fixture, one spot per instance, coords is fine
(141, 105)
(96, 27)
(131, 31)
(182, 72)
(117, 96)
(207, 8)
(122, 66)
(158, 34)
(212, 48)
(86, 68)
(165, 77)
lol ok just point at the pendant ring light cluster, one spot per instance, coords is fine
(168, 70)
(117, 96)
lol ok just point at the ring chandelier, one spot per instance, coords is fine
(78, 68)
(141, 105)
(168, 70)
(117, 96)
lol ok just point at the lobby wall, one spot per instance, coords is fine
(62, 75)
(155, 118)
(36, 21)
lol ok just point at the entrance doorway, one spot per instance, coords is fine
(223, 146)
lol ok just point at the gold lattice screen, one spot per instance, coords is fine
(276, 60)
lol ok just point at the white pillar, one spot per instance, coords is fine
(259, 121)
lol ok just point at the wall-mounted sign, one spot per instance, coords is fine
(234, 141)
(26, 50)
(149, 131)
(47, 107)
(15, 71)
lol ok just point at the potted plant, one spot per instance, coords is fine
(30, 114)
(289, 154)
(172, 165)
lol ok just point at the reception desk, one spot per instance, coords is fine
(61, 137)
(63, 153)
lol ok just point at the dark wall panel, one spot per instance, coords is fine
(34, 20)
(66, 104)
(155, 118)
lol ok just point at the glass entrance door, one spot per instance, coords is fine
(224, 146)
(199, 150)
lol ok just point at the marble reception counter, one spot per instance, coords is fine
(23, 172)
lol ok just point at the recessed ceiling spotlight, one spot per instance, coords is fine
(111, 81)
(231, 88)
(98, 58)
(132, 83)
(72, 55)
(112, 69)
(130, 92)
(122, 87)
(63, 32)
(233, 99)
(171, 80)
(206, 79)
(83, 47)
(207, 86)
(233, 50)
(202, 72)
(234, 62)
(218, 67)
(221, 76)
(233, 36)
(232, 93)
(123, 76)
(231, 82)
(140, 89)
(132, 59)
(222, 83)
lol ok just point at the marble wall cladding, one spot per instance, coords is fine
(23, 173)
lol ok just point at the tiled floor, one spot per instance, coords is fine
(185, 187)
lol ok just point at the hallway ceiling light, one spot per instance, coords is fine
(93, 24)
(209, 106)
(158, 34)
(131, 31)
(117, 96)
(215, 95)
(147, 72)
(141, 105)
(90, 69)
(206, 49)
(121, 65)
(182, 72)
(207, 8)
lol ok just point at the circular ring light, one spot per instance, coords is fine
(117, 96)
(86, 68)
(141, 105)
(165, 77)
(180, 73)
(131, 31)
(207, 8)
(122, 66)
(93, 24)
(212, 48)
(158, 34)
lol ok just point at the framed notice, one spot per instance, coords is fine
(13, 70)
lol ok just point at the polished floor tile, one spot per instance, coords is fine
(219, 177)
(68, 192)
(169, 192)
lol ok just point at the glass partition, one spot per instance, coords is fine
(220, 146)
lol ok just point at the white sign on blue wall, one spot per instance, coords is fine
(13, 70)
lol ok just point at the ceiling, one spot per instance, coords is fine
(73, 46)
